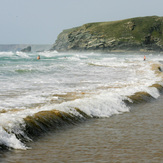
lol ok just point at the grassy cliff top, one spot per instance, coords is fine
(134, 27)
(138, 33)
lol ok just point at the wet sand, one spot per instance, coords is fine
(136, 136)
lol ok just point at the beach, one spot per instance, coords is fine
(131, 137)
(81, 107)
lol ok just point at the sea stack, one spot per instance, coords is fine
(27, 49)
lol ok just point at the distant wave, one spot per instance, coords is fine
(6, 54)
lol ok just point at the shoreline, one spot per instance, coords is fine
(134, 136)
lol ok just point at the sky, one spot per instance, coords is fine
(41, 21)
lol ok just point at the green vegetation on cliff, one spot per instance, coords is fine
(135, 34)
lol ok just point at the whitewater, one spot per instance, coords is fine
(65, 88)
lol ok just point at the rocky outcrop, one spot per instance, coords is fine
(27, 49)
(136, 34)
(19, 47)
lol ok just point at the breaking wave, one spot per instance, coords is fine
(20, 126)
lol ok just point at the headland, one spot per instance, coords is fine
(141, 34)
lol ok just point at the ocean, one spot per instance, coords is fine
(81, 107)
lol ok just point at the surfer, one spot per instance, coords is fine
(144, 58)
(38, 57)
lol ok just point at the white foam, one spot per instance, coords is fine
(22, 54)
(106, 84)
(48, 53)
(4, 54)
(10, 140)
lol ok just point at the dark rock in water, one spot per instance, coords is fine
(27, 49)
(135, 34)
(19, 47)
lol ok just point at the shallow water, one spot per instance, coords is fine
(136, 136)
(80, 107)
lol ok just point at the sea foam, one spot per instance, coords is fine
(96, 85)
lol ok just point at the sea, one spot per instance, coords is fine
(81, 107)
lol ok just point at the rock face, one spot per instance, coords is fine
(27, 49)
(135, 34)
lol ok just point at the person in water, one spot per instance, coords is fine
(38, 57)
(144, 58)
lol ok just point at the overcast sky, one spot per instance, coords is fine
(40, 21)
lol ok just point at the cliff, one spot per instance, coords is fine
(135, 34)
